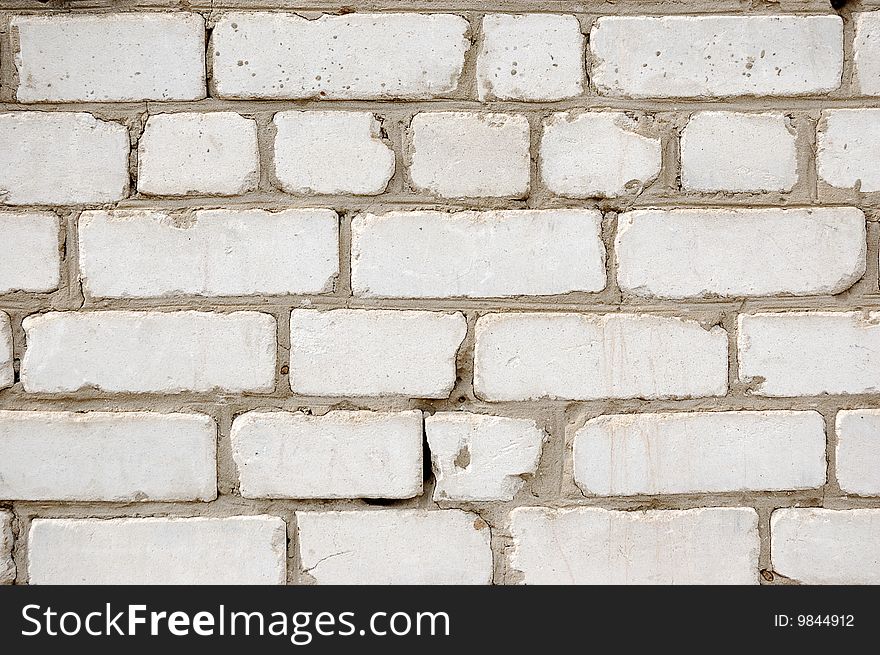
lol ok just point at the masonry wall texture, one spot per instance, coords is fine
(439, 291)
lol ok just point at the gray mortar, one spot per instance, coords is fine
(552, 485)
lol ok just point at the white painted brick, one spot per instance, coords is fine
(848, 141)
(336, 455)
(866, 49)
(525, 356)
(106, 456)
(357, 352)
(426, 254)
(530, 57)
(153, 551)
(700, 452)
(62, 158)
(213, 153)
(588, 545)
(596, 154)
(716, 56)
(7, 566)
(683, 253)
(358, 56)
(397, 547)
(823, 546)
(477, 457)
(730, 151)
(7, 373)
(110, 57)
(217, 252)
(810, 353)
(331, 152)
(30, 260)
(149, 352)
(858, 451)
(462, 154)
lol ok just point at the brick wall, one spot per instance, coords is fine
(446, 292)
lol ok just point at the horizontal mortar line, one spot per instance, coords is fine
(649, 8)
(281, 304)
(402, 106)
(273, 200)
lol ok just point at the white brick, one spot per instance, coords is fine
(30, 260)
(337, 455)
(62, 158)
(716, 56)
(729, 151)
(426, 254)
(7, 566)
(530, 57)
(218, 252)
(705, 452)
(104, 456)
(7, 373)
(357, 352)
(858, 451)
(823, 546)
(358, 56)
(110, 57)
(398, 547)
(848, 141)
(149, 352)
(461, 154)
(683, 253)
(153, 551)
(477, 457)
(526, 356)
(588, 545)
(214, 153)
(810, 353)
(331, 152)
(596, 154)
(866, 48)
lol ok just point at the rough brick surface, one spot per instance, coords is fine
(589, 545)
(30, 260)
(107, 456)
(684, 253)
(858, 451)
(355, 352)
(847, 145)
(732, 151)
(211, 154)
(331, 152)
(221, 252)
(7, 374)
(477, 457)
(716, 56)
(699, 452)
(810, 353)
(236, 550)
(149, 352)
(7, 566)
(110, 57)
(278, 55)
(337, 455)
(866, 47)
(586, 356)
(62, 158)
(530, 57)
(823, 546)
(395, 547)
(597, 153)
(459, 154)
(428, 254)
